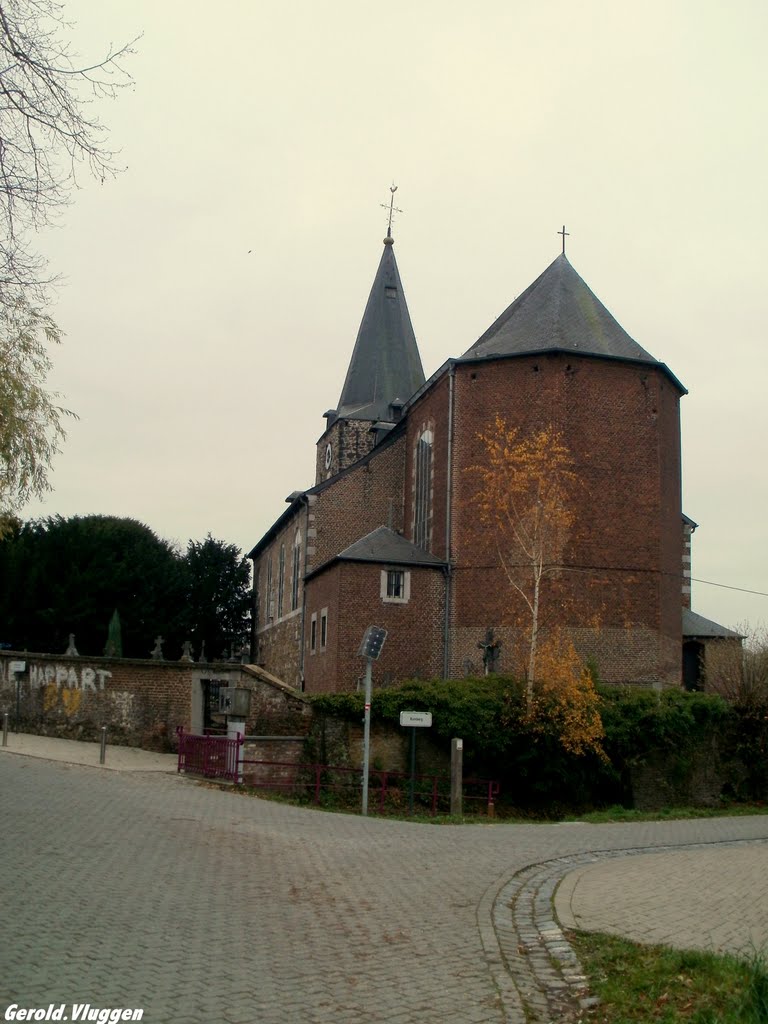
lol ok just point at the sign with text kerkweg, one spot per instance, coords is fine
(416, 718)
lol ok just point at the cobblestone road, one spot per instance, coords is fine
(136, 890)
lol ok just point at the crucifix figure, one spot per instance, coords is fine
(391, 207)
(491, 649)
(564, 233)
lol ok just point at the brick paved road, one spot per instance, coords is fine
(725, 908)
(146, 890)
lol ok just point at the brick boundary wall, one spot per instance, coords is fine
(290, 750)
(141, 702)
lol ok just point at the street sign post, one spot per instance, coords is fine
(414, 720)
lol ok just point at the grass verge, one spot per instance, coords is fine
(505, 815)
(642, 984)
(613, 814)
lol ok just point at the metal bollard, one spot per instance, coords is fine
(103, 752)
(5, 728)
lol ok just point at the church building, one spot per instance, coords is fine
(389, 535)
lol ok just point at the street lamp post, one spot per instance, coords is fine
(370, 649)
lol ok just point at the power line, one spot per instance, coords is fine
(726, 586)
(621, 568)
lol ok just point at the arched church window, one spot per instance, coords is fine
(256, 598)
(422, 498)
(296, 574)
(280, 581)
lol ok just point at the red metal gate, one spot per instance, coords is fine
(213, 757)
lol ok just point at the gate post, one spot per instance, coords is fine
(236, 732)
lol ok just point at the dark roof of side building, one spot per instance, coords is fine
(385, 364)
(695, 625)
(383, 545)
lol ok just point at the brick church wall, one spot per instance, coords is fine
(621, 423)
(276, 641)
(364, 498)
(430, 412)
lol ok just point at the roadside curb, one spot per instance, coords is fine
(530, 914)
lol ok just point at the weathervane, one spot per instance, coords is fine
(391, 207)
(563, 233)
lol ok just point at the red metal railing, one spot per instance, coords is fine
(218, 757)
(320, 778)
(214, 757)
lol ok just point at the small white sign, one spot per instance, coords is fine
(416, 718)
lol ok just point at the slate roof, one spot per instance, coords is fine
(385, 364)
(384, 545)
(697, 626)
(558, 312)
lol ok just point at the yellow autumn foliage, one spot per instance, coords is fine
(526, 489)
(525, 495)
(564, 701)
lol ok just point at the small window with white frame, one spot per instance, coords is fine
(395, 586)
(313, 634)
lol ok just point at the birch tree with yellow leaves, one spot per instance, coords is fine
(526, 495)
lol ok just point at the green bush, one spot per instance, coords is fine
(535, 771)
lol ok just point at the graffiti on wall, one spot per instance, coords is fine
(68, 676)
(62, 685)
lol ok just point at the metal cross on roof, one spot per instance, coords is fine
(563, 233)
(391, 207)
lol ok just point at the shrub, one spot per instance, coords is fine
(537, 771)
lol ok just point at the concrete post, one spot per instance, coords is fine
(457, 775)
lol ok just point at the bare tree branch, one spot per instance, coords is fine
(48, 132)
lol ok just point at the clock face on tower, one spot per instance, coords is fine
(328, 455)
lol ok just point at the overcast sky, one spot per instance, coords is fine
(213, 292)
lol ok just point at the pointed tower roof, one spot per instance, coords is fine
(558, 312)
(385, 365)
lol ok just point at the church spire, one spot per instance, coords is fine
(385, 365)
